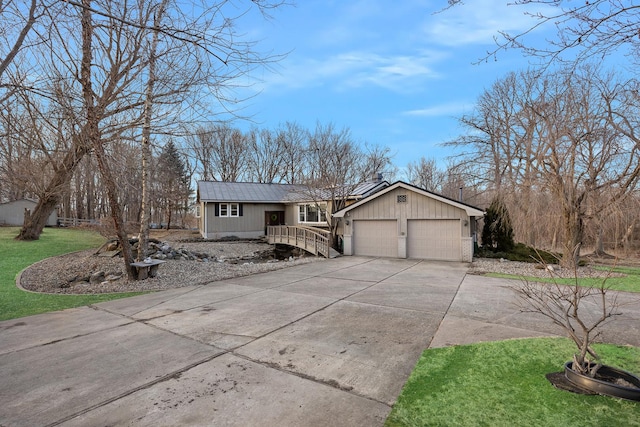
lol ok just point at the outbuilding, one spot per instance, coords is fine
(12, 213)
(404, 221)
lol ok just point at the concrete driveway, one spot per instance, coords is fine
(329, 343)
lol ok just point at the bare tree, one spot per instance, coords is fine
(293, 140)
(264, 159)
(145, 149)
(566, 307)
(335, 168)
(378, 161)
(200, 53)
(92, 113)
(229, 153)
(201, 146)
(571, 136)
(584, 30)
(18, 20)
(424, 173)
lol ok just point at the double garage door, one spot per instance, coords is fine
(438, 239)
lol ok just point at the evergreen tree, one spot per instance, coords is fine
(497, 233)
(173, 182)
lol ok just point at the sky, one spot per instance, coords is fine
(397, 74)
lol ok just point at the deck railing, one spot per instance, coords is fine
(313, 240)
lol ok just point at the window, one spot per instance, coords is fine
(197, 211)
(229, 209)
(312, 213)
(402, 198)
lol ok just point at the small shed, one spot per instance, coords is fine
(404, 221)
(12, 213)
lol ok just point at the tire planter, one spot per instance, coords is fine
(605, 382)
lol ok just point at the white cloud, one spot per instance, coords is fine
(399, 73)
(477, 22)
(447, 109)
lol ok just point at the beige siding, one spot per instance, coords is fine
(417, 206)
(424, 228)
(291, 214)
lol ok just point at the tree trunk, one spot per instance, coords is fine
(573, 233)
(51, 196)
(627, 238)
(94, 137)
(116, 210)
(145, 208)
(169, 216)
(599, 249)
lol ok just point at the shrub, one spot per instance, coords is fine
(520, 252)
(497, 232)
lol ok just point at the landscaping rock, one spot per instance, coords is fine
(71, 273)
(97, 277)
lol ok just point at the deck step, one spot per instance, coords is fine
(333, 253)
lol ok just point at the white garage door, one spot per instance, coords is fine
(376, 238)
(434, 239)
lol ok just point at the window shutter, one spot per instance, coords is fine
(240, 209)
(216, 209)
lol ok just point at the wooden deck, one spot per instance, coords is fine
(312, 240)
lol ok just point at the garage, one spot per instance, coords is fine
(376, 238)
(404, 221)
(437, 239)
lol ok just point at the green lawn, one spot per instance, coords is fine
(629, 283)
(16, 255)
(503, 384)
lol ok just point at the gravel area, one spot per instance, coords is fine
(64, 274)
(61, 274)
(526, 269)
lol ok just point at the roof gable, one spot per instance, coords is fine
(470, 210)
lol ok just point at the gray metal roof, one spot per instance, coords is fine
(212, 191)
(251, 192)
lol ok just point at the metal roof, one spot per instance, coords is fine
(244, 191)
(252, 192)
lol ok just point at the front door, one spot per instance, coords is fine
(274, 217)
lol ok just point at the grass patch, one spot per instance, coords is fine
(16, 255)
(628, 283)
(503, 384)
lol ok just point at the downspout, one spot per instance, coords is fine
(204, 218)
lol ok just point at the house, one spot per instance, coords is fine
(245, 209)
(404, 221)
(12, 213)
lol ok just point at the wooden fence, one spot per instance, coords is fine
(73, 222)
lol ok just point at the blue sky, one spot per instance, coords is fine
(397, 74)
